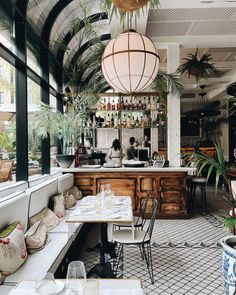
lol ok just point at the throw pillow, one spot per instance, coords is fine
(75, 192)
(56, 204)
(13, 251)
(49, 218)
(36, 237)
(70, 200)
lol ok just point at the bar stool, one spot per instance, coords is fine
(201, 182)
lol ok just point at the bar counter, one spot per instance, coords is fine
(167, 184)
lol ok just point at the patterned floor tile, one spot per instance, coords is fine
(186, 255)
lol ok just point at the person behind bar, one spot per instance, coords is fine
(131, 152)
(115, 152)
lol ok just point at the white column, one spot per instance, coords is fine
(173, 110)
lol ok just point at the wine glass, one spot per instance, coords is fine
(47, 286)
(75, 271)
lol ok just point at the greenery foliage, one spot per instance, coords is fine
(111, 9)
(198, 66)
(164, 83)
(65, 127)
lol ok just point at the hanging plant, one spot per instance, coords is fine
(121, 7)
(198, 66)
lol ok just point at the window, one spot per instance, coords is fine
(1, 98)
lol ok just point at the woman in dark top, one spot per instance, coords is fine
(131, 152)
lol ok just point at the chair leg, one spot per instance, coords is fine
(141, 251)
(119, 256)
(204, 204)
(148, 259)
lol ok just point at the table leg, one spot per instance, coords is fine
(103, 269)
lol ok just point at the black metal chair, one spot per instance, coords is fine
(141, 238)
(139, 220)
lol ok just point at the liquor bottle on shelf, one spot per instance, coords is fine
(158, 103)
(135, 104)
(153, 104)
(140, 105)
(141, 122)
(108, 121)
(124, 122)
(113, 106)
(132, 122)
(137, 122)
(122, 104)
(112, 121)
(126, 106)
(116, 121)
(108, 105)
(145, 121)
(144, 103)
(148, 104)
(130, 105)
(128, 122)
(117, 106)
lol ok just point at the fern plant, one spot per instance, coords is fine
(218, 166)
(198, 66)
(65, 127)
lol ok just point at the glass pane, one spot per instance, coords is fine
(53, 140)
(7, 123)
(7, 26)
(34, 144)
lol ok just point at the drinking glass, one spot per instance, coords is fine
(47, 286)
(76, 277)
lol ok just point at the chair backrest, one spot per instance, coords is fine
(6, 170)
(152, 220)
(142, 212)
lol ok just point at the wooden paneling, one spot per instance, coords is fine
(168, 187)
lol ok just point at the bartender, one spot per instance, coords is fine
(131, 152)
(115, 152)
(146, 142)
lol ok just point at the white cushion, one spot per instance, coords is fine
(65, 182)
(63, 226)
(40, 195)
(39, 263)
(56, 174)
(38, 180)
(14, 208)
(19, 186)
(125, 236)
(5, 290)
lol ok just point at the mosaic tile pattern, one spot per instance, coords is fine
(186, 254)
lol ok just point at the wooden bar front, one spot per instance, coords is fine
(168, 187)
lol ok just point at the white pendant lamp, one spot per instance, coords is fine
(130, 62)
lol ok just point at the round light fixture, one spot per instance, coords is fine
(130, 62)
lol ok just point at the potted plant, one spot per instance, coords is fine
(198, 66)
(121, 7)
(65, 127)
(229, 242)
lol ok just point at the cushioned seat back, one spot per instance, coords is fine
(19, 186)
(40, 195)
(14, 208)
(56, 174)
(65, 182)
(38, 180)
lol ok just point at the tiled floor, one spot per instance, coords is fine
(186, 253)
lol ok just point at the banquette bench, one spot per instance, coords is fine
(21, 206)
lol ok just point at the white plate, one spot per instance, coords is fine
(114, 216)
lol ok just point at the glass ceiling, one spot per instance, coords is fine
(39, 10)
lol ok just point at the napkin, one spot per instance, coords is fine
(137, 291)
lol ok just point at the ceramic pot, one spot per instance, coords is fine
(65, 161)
(229, 264)
(129, 5)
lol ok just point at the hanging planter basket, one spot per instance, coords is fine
(129, 5)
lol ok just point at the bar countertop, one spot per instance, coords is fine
(191, 171)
